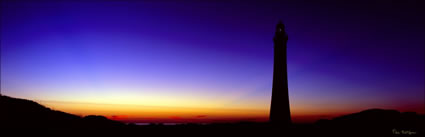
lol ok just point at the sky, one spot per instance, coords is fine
(212, 61)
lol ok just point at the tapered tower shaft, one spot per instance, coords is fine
(279, 110)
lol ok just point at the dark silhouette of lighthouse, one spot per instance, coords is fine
(279, 110)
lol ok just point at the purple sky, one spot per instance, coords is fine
(342, 57)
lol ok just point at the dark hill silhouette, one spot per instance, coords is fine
(375, 122)
(21, 113)
(20, 116)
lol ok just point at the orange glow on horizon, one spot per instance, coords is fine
(140, 113)
(131, 113)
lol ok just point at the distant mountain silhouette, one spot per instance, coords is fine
(378, 116)
(21, 113)
(18, 115)
(375, 122)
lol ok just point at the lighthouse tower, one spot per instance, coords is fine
(279, 110)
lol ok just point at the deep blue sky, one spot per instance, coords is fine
(342, 56)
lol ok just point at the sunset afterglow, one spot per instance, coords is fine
(148, 62)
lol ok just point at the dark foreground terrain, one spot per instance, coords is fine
(24, 117)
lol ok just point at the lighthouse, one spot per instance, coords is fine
(279, 111)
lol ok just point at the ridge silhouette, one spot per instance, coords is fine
(26, 111)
